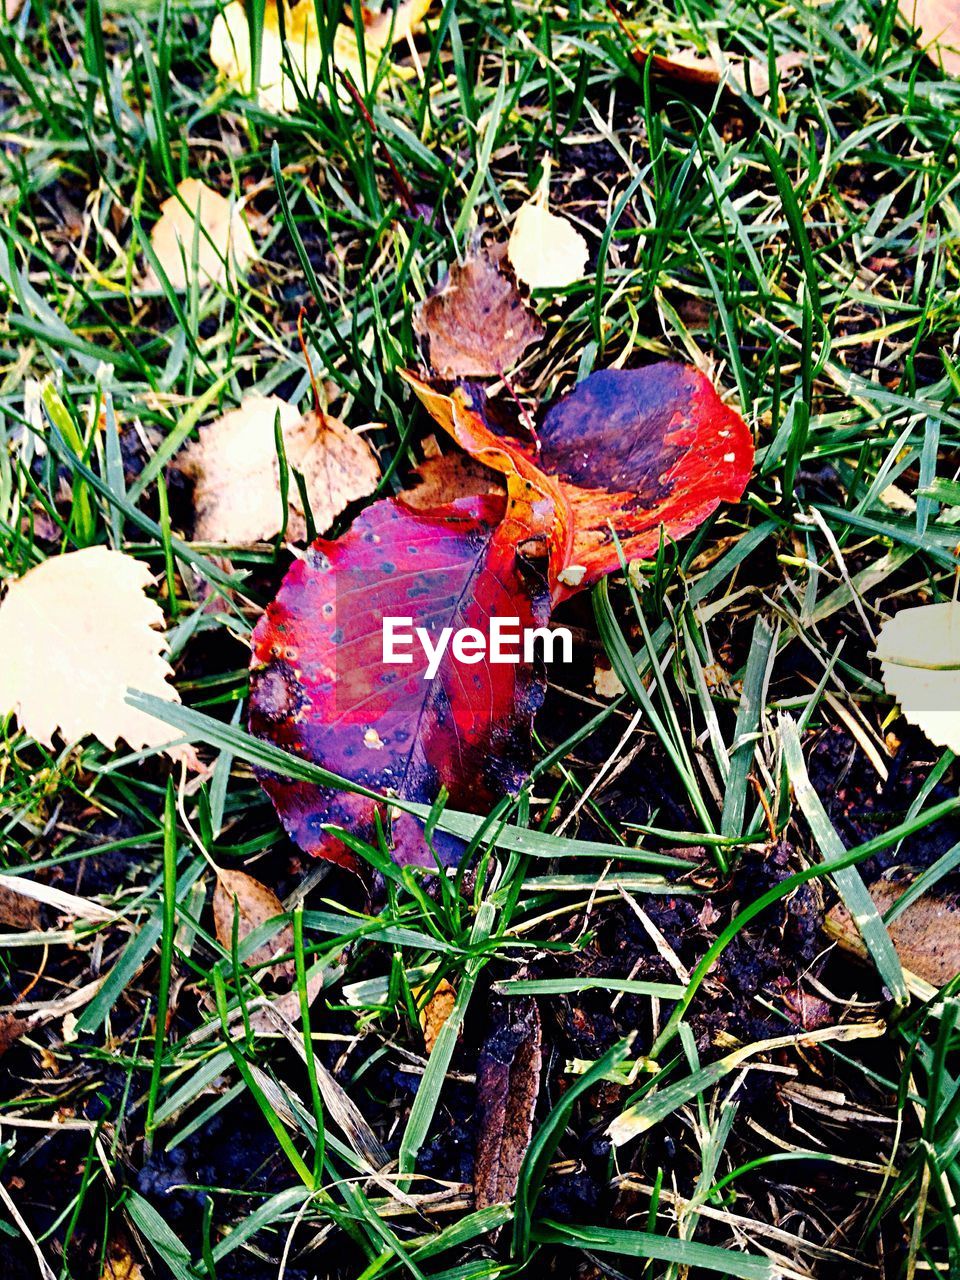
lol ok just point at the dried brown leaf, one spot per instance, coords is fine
(938, 22)
(707, 70)
(436, 1011)
(508, 1082)
(447, 477)
(17, 911)
(237, 472)
(238, 892)
(926, 935)
(606, 682)
(12, 1028)
(476, 323)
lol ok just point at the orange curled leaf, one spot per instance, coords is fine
(626, 452)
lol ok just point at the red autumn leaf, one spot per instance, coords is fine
(320, 687)
(635, 449)
(625, 453)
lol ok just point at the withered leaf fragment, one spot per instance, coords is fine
(508, 1082)
(435, 1012)
(254, 904)
(926, 936)
(476, 322)
(445, 477)
(938, 24)
(237, 472)
(18, 911)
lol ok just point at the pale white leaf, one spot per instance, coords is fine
(76, 633)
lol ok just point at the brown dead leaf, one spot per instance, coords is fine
(448, 476)
(12, 1028)
(606, 682)
(18, 911)
(926, 936)
(237, 472)
(436, 1011)
(224, 244)
(476, 322)
(707, 70)
(938, 24)
(508, 1082)
(238, 892)
(286, 1005)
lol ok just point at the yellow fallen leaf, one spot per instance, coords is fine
(545, 250)
(919, 652)
(938, 22)
(436, 1011)
(391, 25)
(120, 1264)
(237, 472)
(230, 54)
(302, 69)
(224, 244)
(75, 633)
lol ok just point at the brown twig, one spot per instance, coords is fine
(765, 805)
(527, 420)
(306, 356)
(403, 191)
